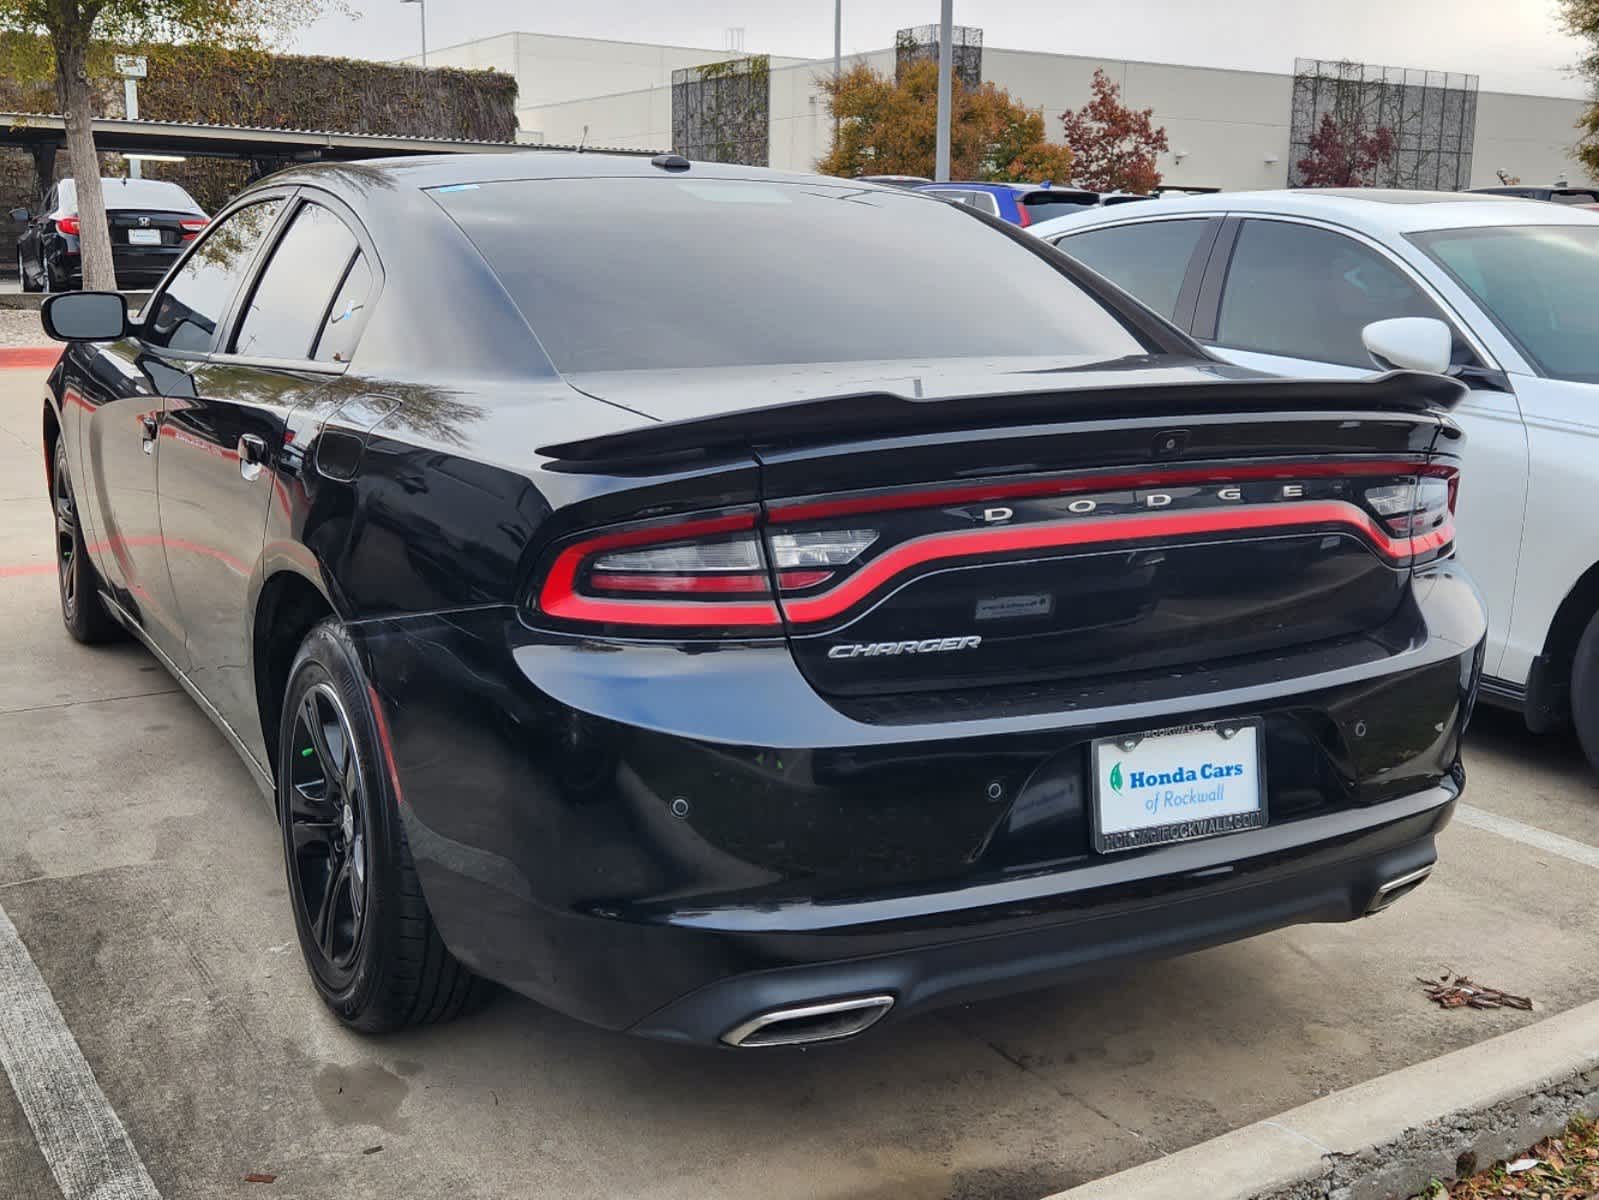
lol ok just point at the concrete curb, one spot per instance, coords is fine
(1391, 1135)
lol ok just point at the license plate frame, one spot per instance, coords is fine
(1117, 836)
(144, 237)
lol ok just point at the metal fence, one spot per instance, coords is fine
(1431, 114)
(966, 45)
(722, 112)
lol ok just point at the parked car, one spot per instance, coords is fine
(150, 220)
(1286, 282)
(1021, 204)
(735, 657)
(1583, 197)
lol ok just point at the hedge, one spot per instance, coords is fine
(245, 87)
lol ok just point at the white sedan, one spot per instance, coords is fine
(1291, 282)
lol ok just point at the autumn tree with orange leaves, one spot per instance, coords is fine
(889, 126)
(1344, 153)
(1114, 147)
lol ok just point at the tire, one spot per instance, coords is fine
(366, 935)
(22, 274)
(1585, 691)
(53, 281)
(82, 611)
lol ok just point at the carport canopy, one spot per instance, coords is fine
(42, 134)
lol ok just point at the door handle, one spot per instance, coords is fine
(252, 455)
(148, 429)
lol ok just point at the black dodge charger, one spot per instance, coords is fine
(736, 607)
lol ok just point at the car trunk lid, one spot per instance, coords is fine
(1151, 520)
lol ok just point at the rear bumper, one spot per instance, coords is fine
(1340, 881)
(672, 840)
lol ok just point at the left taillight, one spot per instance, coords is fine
(708, 573)
(69, 226)
(192, 226)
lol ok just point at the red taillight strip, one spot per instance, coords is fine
(673, 614)
(645, 582)
(1090, 531)
(807, 510)
(559, 596)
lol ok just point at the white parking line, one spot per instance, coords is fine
(79, 1135)
(1528, 835)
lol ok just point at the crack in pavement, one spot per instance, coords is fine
(11, 712)
(1063, 1092)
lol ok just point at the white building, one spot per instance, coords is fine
(1226, 128)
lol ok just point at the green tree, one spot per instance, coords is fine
(1580, 18)
(889, 126)
(76, 29)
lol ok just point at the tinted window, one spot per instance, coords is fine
(672, 272)
(1149, 259)
(187, 314)
(291, 300)
(1307, 293)
(1539, 283)
(1041, 206)
(347, 315)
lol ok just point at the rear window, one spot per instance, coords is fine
(631, 274)
(135, 193)
(1041, 206)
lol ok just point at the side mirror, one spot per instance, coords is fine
(1409, 344)
(85, 316)
(20, 214)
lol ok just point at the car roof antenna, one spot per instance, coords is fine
(583, 139)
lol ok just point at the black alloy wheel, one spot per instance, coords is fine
(1585, 691)
(82, 610)
(365, 931)
(326, 833)
(22, 274)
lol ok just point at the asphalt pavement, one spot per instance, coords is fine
(140, 870)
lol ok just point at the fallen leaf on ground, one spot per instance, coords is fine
(260, 1178)
(1461, 992)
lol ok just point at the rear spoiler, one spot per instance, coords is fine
(883, 414)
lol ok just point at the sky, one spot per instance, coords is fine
(1513, 45)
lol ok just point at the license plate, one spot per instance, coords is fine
(144, 237)
(1175, 785)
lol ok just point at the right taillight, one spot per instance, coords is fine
(1420, 509)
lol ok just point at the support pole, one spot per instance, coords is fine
(946, 67)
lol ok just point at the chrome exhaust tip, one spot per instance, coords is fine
(1398, 888)
(810, 1023)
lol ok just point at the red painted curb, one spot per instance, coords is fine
(29, 356)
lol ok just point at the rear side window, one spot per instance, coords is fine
(1302, 292)
(629, 274)
(348, 314)
(187, 314)
(291, 300)
(1149, 259)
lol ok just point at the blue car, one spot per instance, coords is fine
(1019, 203)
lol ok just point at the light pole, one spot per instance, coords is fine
(946, 65)
(838, 59)
(422, 13)
(132, 68)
